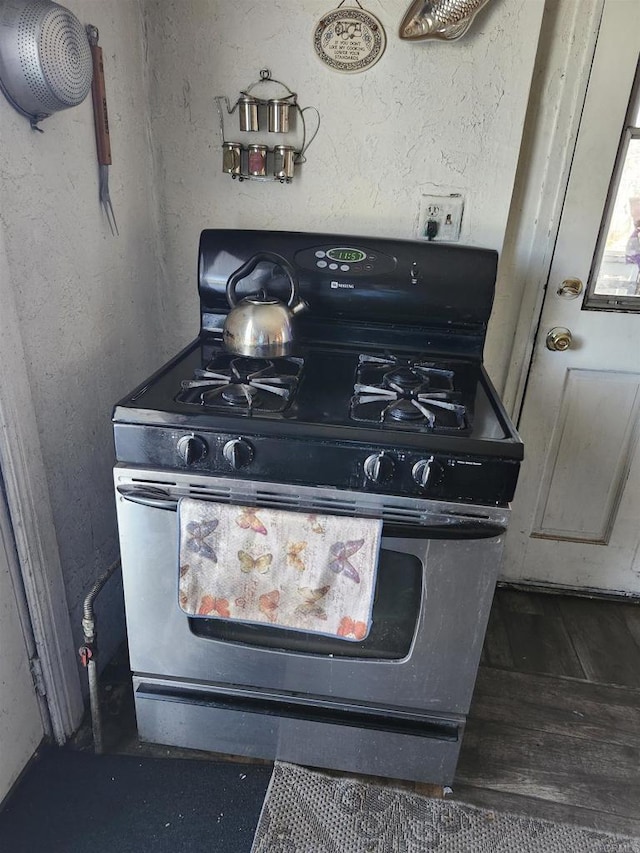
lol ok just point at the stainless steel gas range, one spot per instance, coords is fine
(383, 409)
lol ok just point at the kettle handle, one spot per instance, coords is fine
(249, 266)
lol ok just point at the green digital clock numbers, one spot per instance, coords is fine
(351, 256)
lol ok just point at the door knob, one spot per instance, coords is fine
(570, 288)
(559, 339)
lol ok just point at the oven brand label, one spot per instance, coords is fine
(342, 284)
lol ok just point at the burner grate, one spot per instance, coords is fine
(243, 384)
(417, 394)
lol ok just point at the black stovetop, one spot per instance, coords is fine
(322, 404)
(385, 389)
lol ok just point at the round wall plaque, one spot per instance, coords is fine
(349, 39)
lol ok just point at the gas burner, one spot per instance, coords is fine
(405, 373)
(245, 368)
(239, 395)
(242, 383)
(403, 410)
(413, 393)
(402, 377)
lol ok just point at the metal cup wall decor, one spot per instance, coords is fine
(439, 19)
(277, 113)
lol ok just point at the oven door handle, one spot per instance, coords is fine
(450, 529)
(446, 528)
(148, 496)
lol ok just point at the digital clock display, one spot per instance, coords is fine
(351, 256)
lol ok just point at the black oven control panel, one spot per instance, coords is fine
(346, 258)
(407, 283)
(462, 477)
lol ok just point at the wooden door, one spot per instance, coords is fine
(576, 520)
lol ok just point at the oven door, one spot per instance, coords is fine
(436, 578)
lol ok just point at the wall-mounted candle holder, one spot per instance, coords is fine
(276, 114)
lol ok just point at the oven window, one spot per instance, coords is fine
(396, 609)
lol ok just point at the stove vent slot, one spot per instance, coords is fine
(331, 504)
(223, 494)
(393, 510)
(277, 500)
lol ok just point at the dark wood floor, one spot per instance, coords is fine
(554, 729)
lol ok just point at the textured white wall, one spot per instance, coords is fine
(97, 313)
(86, 301)
(428, 117)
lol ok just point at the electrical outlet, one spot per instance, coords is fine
(440, 217)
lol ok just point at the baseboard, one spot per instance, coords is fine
(575, 591)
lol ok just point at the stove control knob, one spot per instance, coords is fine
(379, 467)
(192, 448)
(238, 453)
(426, 472)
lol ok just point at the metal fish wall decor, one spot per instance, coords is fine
(440, 19)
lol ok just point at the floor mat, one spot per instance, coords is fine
(308, 811)
(74, 802)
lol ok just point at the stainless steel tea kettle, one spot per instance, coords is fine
(260, 326)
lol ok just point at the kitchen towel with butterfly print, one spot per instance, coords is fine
(287, 569)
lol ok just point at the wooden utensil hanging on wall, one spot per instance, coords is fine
(101, 122)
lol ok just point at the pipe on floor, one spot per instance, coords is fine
(89, 652)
